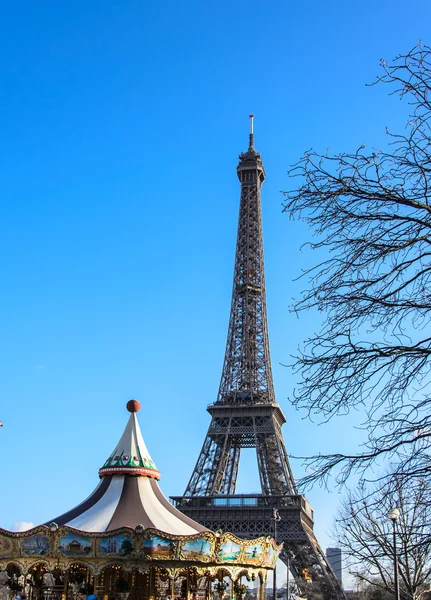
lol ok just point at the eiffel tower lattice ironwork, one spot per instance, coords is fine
(246, 415)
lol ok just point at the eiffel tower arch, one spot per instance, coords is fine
(246, 415)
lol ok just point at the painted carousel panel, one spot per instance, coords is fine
(120, 545)
(6, 547)
(229, 551)
(197, 549)
(37, 544)
(75, 545)
(253, 554)
(270, 556)
(159, 547)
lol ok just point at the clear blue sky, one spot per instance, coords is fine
(121, 123)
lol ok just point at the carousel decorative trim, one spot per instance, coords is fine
(114, 470)
(124, 544)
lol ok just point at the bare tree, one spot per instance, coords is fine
(369, 213)
(365, 591)
(364, 533)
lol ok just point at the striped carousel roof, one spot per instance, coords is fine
(128, 493)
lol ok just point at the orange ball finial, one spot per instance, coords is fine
(133, 406)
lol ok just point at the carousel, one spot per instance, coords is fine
(127, 542)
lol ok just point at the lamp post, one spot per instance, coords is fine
(275, 517)
(288, 577)
(394, 515)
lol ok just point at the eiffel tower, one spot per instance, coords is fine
(246, 415)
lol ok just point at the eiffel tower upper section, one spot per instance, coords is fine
(247, 376)
(245, 414)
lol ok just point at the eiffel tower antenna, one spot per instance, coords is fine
(246, 415)
(251, 143)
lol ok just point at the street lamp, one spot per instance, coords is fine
(275, 517)
(394, 515)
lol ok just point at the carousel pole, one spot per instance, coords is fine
(95, 583)
(208, 587)
(261, 587)
(173, 587)
(65, 584)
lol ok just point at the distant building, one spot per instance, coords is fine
(334, 558)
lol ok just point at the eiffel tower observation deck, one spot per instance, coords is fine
(246, 415)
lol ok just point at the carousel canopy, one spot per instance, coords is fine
(128, 493)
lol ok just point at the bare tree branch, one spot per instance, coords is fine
(370, 218)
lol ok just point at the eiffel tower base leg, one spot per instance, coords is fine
(252, 516)
(312, 577)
